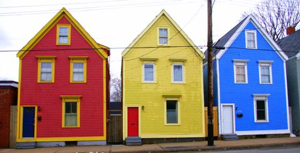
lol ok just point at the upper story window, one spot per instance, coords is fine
(178, 73)
(78, 69)
(149, 72)
(63, 35)
(46, 69)
(265, 72)
(251, 39)
(240, 71)
(163, 36)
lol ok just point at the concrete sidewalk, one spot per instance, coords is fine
(165, 147)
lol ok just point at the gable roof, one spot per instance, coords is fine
(63, 12)
(225, 42)
(163, 13)
(290, 45)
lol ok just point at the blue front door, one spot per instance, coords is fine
(28, 122)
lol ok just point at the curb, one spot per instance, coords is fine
(208, 148)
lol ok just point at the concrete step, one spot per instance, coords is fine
(133, 141)
(230, 137)
(25, 145)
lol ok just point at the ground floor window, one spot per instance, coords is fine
(172, 111)
(71, 111)
(261, 108)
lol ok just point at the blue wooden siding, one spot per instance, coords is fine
(242, 94)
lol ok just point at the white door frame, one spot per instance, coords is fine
(233, 116)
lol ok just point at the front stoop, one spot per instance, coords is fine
(25, 145)
(230, 137)
(133, 141)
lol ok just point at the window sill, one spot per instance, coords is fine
(241, 82)
(71, 127)
(46, 82)
(172, 124)
(149, 82)
(63, 44)
(77, 82)
(261, 121)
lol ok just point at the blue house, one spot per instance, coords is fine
(250, 84)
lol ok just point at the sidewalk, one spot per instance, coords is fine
(165, 147)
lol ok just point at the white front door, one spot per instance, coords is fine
(227, 119)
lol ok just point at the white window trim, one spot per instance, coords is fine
(158, 36)
(269, 63)
(255, 37)
(265, 98)
(154, 72)
(183, 74)
(239, 62)
(178, 111)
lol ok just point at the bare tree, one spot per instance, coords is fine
(275, 16)
(115, 89)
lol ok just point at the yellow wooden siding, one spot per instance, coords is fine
(151, 97)
(216, 122)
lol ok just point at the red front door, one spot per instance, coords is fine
(133, 121)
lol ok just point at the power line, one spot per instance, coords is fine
(104, 7)
(199, 46)
(160, 46)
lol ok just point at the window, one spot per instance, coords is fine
(46, 67)
(240, 71)
(172, 111)
(177, 73)
(71, 111)
(78, 72)
(261, 108)
(78, 69)
(163, 36)
(251, 42)
(63, 34)
(265, 71)
(148, 72)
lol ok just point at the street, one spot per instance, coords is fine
(280, 149)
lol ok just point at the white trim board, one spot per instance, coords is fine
(263, 132)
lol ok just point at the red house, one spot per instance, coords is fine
(63, 87)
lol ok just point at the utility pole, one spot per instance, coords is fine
(210, 75)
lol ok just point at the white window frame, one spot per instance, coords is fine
(265, 63)
(255, 39)
(244, 63)
(263, 97)
(183, 76)
(167, 37)
(154, 72)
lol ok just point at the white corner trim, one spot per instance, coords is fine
(219, 97)
(263, 132)
(287, 98)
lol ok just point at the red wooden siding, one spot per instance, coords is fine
(47, 95)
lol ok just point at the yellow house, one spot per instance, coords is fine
(162, 84)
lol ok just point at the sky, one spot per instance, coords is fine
(113, 23)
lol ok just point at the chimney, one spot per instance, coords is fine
(290, 30)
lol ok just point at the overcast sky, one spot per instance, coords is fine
(114, 23)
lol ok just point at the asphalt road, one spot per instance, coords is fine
(281, 149)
